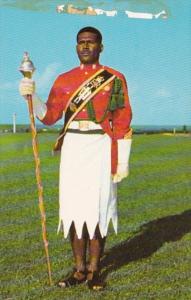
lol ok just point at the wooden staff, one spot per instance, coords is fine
(27, 69)
(39, 184)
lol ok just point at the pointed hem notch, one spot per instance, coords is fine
(65, 228)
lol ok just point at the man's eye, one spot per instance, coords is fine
(86, 42)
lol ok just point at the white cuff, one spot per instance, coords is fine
(124, 149)
(39, 107)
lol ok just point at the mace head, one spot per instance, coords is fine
(26, 68)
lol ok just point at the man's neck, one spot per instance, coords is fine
(92, 66)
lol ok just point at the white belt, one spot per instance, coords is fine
(84, 125)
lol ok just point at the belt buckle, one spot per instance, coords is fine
(84, 125)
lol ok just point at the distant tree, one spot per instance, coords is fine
(185, 129)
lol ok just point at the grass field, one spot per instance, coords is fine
(150, 258)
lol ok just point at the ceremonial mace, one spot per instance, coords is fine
(27, 68)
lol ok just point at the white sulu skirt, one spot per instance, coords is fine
(86, 191)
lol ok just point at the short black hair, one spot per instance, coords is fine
(91, 29)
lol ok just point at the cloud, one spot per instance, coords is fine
(133, 87)
(6, 86)
(163, 92)
(149, 6)
(45, 80)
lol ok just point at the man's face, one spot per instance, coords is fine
(88, 48)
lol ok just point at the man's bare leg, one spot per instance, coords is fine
(96, 248)
(79, 252)
(79, 247)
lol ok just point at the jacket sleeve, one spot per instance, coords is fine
(121, 117)
(55, 103)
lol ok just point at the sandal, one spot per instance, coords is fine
(77, 277)
(94, 281)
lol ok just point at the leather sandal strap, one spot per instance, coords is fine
(71, 280)
(95, 283)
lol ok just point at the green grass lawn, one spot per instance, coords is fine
(150, 258)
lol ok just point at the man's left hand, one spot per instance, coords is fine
(122, 172)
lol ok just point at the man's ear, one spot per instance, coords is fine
(101, 47)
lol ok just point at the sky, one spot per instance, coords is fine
(154, 55)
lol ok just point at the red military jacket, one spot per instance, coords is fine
(67, 83)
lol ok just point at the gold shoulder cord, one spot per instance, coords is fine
(128, 135)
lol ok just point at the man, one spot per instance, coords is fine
(95, 151)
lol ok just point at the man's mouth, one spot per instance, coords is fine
(85, 53)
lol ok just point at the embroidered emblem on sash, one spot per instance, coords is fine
(86, 91)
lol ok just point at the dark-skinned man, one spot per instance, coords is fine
(95, 146)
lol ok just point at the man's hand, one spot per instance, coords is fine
(26, 87)
(122, 172)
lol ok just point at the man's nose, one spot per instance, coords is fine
(86, 44)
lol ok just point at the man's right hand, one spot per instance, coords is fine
(26, 87)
